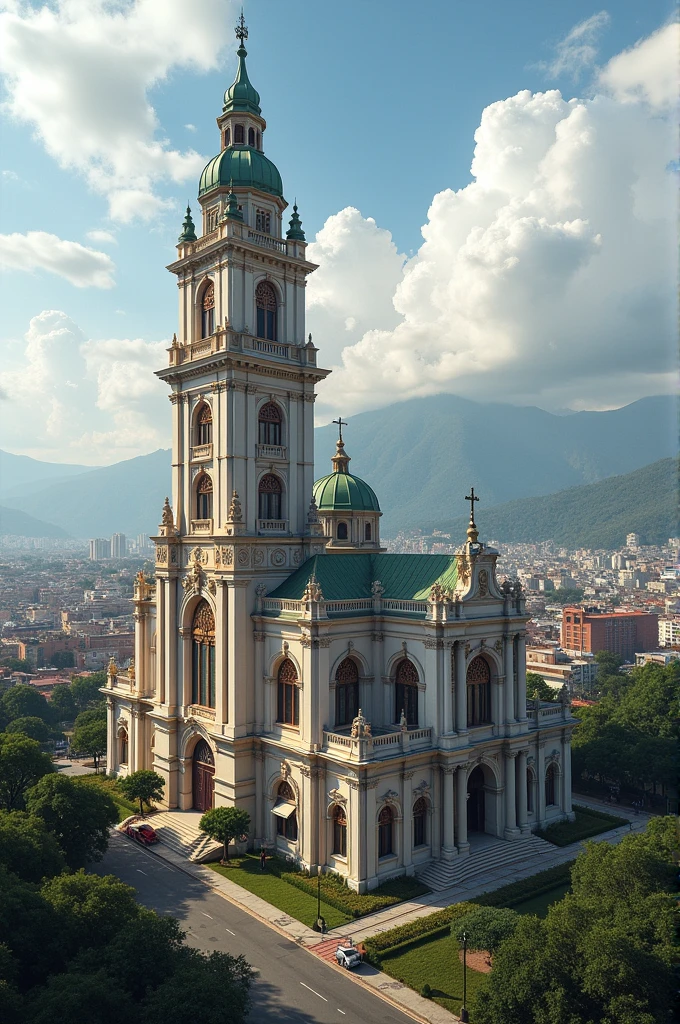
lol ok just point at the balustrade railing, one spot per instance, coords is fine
(367, 748)
(268, 242)
(391, 605)
(272, 525)
(201, 451)
(271, 451)
(202, 526)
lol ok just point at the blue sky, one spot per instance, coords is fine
(372, 106)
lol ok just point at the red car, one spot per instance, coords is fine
(142, 832)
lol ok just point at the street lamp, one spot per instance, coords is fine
(463, 1013)
(320, 925)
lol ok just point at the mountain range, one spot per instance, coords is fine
(419, 456)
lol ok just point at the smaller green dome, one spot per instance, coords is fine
(241, 166)
(342, 492)
(241, 94)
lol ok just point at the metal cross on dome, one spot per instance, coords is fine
(340, 423)
(472, 498)
(241, 29)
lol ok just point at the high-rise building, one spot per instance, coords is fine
(118, 545)
(100, 549)
(633, 540)
(588, 630)
(367, 709)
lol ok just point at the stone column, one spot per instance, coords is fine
(510, 795)
(540, 785)
(269, 685)
(509, 684)
(566, 777)
(258, 757)
(161, 692)
(111, 738)
(407, 779)
(355, 824)
(521, 709)
(447, 811)
(259, 639)
(369, 845)
(461, 692)
(172, 641)
(221, 643)
(447, 709)
(309, 823)
(521, 780)
(461, 810)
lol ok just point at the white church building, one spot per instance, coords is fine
(368, 710)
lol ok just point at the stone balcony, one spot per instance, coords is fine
(375, 748)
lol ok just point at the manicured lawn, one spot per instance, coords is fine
(434, 962)
(586, 824)
(124, 807)
(539, 904)
(245, 871)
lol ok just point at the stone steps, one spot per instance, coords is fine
(179, 831)
(485, 859)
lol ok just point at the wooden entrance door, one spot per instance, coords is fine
(475, 804)
(203, 777)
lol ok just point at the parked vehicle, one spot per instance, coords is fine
(141, 832)
(348, 957)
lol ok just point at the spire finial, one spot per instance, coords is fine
(241, 29)
(472, 531)
(340, 423)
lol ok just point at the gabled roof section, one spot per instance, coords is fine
(345, 577)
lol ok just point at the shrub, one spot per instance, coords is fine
(426, 991)
(441, 919)
(517, 892)
(486, 927)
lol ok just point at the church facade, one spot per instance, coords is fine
(367, 709)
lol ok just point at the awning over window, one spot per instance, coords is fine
(283, 808)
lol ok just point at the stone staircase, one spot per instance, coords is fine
(488, 855)
(180, 832)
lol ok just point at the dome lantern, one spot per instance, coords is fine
(347, 506)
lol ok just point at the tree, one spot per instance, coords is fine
(486, 927)
(85, 690)
(62, 703)
(22, 763)
(23, 701)
(34, 728)
(63, 659)
(222, 980)
(74, 996)
(651, 705)
(92, 909)
(27, 848)
(537, 686)
(90, 734)
(225, 824)
(608, 663)
(17, 664)
(143, 785)
(79, 816)
(29, 929)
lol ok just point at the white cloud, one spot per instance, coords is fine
(38, 250)
(577, 52)
(190, 127)
(550, 279)
(73, 399)
(10, 176)
(80, 72)
(104, 237)
(647, 71)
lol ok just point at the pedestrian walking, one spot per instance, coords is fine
(263, 859)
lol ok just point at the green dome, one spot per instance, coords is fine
(241, 94)
(244, 167)
(342, 492)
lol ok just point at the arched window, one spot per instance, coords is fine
(420, 822)
(288, 695)
(339, 832)
(123, 746)
(251, 136)
(269, 424)
(227, 137)
(239, 135)
(530, 791)
(259, 140)
(346, 692)
(551, 785)
(204, 425)
(204, 497)
(367, 531)
(406, 692)
(203, 656)
(269, 497)
(342, 531)
(265, 303)
(208, 311)
(479, 692)
(385, 832)
(286, 813)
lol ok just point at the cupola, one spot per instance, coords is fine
(347, 506)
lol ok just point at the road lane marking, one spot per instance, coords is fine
(206, 915)
(230, 932)
(192, 935)
(314, 991)
(141, 872)
(342, 1012)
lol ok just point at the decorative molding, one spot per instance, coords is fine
(407, 775)
(259, 638)
(336, 797)
(224, 556)
(422, 788)
(483, 583)
(277, 557)
(321, 641)
(433, 644)
(258, 556)
(377, 638)
(243, 556)
(391, 796)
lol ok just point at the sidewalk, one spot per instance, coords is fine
(400, 995)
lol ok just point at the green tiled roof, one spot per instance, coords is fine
(345, 577)
(241, 166)
(343, 492)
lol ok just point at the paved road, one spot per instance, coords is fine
(292, 985)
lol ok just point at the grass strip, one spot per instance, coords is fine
(527, 888)
(586, 824)
(433, 960)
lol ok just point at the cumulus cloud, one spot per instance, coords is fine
(103, 237)
(647, 71)
(83, 400)
(577, 52)
(80, 73)
(38, 250)
(550, 279)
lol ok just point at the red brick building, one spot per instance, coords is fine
(586, 630)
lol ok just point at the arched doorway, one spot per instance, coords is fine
(202, 776)
(476, 809)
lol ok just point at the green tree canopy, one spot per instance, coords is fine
(74, 996)
(90, 734)
(143, 785)
(92, 908)
(22, 701)
(27, 848)
(537, 686)
(34, 728)
(29, 928)
(62, 703)
(78, 815)
(486, 927)
(22, 763)
(651, 705)
(224, 824)
(608, 663)
(85, 690)
(17, 664)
